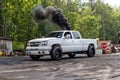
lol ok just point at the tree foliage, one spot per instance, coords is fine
(93, 18)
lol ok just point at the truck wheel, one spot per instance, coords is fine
(91, 51)
(35, 57)
(71, 55)
(56, 53)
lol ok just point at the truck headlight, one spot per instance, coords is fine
(44, 43)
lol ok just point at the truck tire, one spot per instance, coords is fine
(91, 51)
(56, 53)
(35, 57)
(71, 55)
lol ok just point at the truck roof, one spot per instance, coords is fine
(64, 31)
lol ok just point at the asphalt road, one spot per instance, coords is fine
(100, 67)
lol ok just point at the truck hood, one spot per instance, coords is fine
(41, 39)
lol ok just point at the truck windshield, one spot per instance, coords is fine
(55, 34)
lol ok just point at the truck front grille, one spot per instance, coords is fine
(34, 44)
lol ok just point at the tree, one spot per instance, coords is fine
(105, 11)
(93, 19)
(1, 32)
(19, 21)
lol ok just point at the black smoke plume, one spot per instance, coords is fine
(52, 14)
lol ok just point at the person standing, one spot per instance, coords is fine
(112, 45)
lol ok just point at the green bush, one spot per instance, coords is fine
(18, 46)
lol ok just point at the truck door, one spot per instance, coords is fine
(77, 41)
(67, 45)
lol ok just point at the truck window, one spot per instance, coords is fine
(68, 35)
(76, 35)
(55, 34)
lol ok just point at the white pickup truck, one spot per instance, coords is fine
(61, 42)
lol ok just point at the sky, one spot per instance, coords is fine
(113, 3)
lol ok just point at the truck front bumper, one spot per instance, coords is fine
(38, 51)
